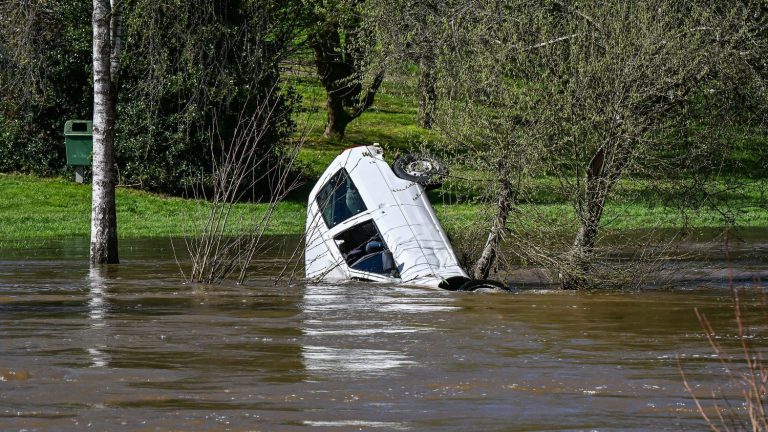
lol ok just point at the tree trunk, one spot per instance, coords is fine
(577, 276)
(427, 94)
(115, 31)
(337, 118)
(103, 214)
(598, 184)
(484, 264)
(340, 77)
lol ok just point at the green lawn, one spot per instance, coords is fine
(35, 208)
(32, 208)
(391, 121)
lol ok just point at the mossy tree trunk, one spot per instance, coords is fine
(339, 72)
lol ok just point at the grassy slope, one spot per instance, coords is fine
(391, 122)
(33, 208)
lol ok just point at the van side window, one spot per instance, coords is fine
(339, 199)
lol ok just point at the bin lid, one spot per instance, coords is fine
(78, 127)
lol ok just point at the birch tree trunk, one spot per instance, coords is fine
(106, 46)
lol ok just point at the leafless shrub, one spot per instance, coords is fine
(217, 248)
(744, 369)
(536, 239)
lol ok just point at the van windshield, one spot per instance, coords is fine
(339, 199)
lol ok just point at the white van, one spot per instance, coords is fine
(367, 222)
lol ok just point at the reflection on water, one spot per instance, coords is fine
(357, 424)
(97, 332)
(367, 317)
(352, 361)
(129, 347)
(96, 304)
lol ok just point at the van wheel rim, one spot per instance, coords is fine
(419, 168)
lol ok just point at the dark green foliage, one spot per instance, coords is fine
(191, 73)
(45, 79)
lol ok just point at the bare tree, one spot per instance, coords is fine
(645, 72)
(220, 76)
(107, 17)
(568, 101)
(408, 34)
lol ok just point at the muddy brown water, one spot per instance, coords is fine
(130, 347)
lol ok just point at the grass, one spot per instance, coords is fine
(34, 208)
(391, 121)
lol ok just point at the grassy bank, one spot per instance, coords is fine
(391, 121)
(32, 208)
(35, 208)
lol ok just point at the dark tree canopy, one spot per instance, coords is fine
(190, 72)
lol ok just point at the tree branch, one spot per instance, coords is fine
(580, 14)
(370, 95)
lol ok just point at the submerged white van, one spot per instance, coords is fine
(367, 222)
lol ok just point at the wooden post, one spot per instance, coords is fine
(79, 174)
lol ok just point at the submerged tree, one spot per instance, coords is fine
(246, 158)
(338, 38)
(213, 105)
(107, 26)
(650, 97)
(580, 96)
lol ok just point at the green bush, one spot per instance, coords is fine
(189, 75)
(44, 83)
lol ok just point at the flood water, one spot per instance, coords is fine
(130, 347)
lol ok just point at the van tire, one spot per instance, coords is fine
(487, 284)
(424, 170)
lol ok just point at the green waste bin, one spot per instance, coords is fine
(78, 140)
